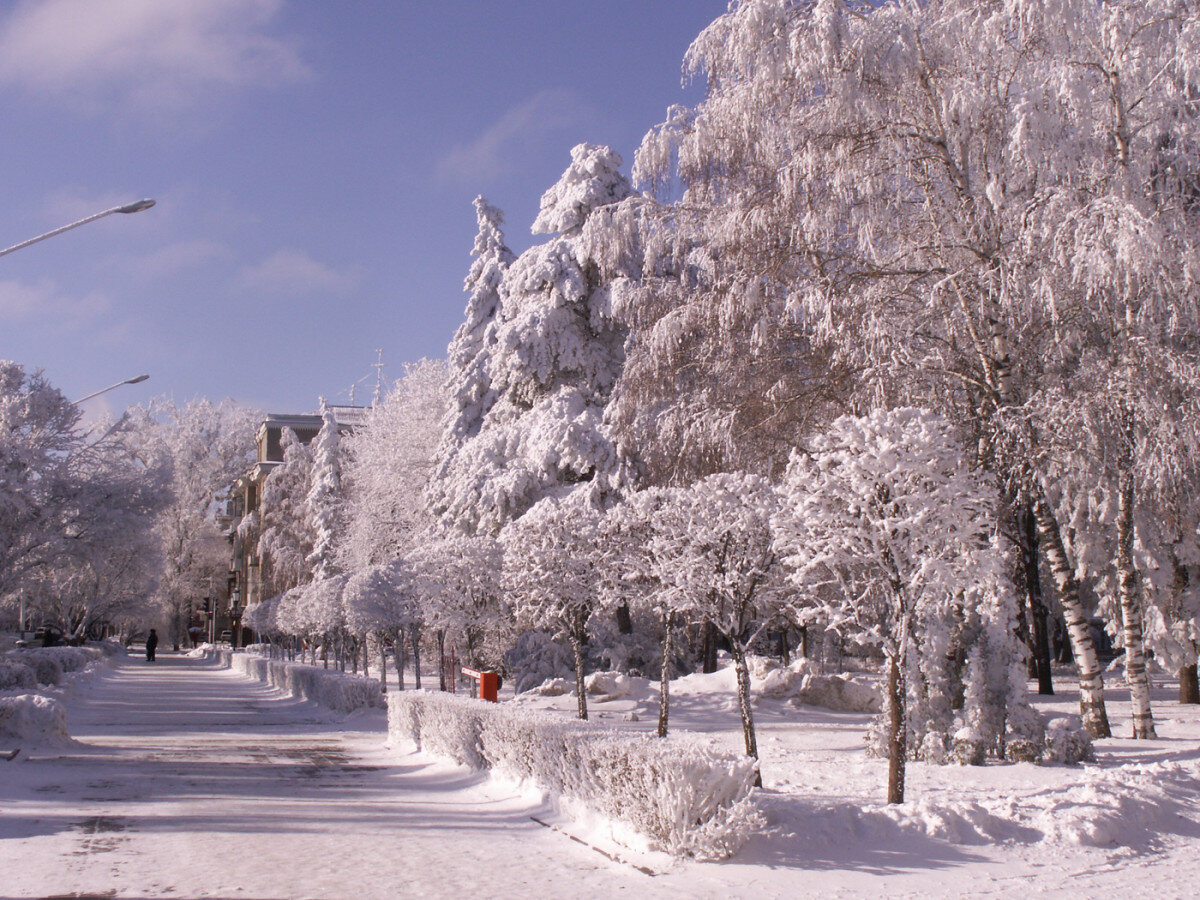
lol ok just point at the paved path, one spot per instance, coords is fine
(192, 781)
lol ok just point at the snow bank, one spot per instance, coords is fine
(680, 794)
(801, 683)
(32, 720)
(327, 687)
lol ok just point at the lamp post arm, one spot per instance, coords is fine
(127, 208)
(138, 379)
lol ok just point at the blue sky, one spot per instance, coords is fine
(314, 163)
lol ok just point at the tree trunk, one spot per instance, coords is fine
(624, 621)
(804, 639)
(708, 648)
(441, 645)
(416, 649)
(1091, 679)
(1039, 633)
(664, 684)
(382, 663)
(1189, 685)
(1131, 614)
(742, 668)
(897, 731)
(785, 652)
(580, 689)
(398, 657)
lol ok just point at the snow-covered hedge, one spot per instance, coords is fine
(32, 720)
(16, 676)
(681, 794)
(51, 663)
(327, 687)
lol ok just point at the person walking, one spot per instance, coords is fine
(151, 645)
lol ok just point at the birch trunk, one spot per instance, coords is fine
(1131, 613)
(664, 684)
(1091, 679)
(742, 668)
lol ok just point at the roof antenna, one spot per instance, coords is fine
(378, 367)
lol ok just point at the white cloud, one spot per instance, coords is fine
(494, 151)
(44, 302)
(295, 272)
(154, 52)
(172, 259)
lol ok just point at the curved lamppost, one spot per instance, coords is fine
(136, 379)
(127, 208)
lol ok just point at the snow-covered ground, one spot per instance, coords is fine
(190, 780)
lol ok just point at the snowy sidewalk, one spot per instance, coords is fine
(191, 781)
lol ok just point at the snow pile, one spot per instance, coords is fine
(801, 683)
(32, 720)
(50, 664)
(681, 795)
(327, 687)
(609, 685)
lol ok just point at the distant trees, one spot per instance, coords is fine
(76, 511)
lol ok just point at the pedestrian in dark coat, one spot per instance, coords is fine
(151, 645)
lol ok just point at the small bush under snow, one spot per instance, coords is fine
(32, 720)
(15, 676)
(50, 664)
(330, 688)
(682, 795)
(609, 685)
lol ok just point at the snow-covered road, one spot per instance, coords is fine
(191, 781)
(188, 780)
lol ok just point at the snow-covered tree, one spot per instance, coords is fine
(324, 501)
(458, 578)
(884, 517)
(551, 573)
(39, 429)
(880, 170)
(285, 537)
(469, 354)
(388, 464)
(206, 446)
(556, 356)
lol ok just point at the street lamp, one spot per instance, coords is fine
(137, 379)
(127, 208)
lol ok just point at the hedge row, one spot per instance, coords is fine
(681, 794)
(327, 687)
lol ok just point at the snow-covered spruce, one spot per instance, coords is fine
(679, 794)
(326, 687)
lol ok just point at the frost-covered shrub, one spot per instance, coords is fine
(933, 749)
(47, 669)
(51, 663)
(329, 688)
(16, 676)
(1025, 735)
(31, 719)
(1067, 741)
(681, 794)
(537, 658)
(967, 748)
